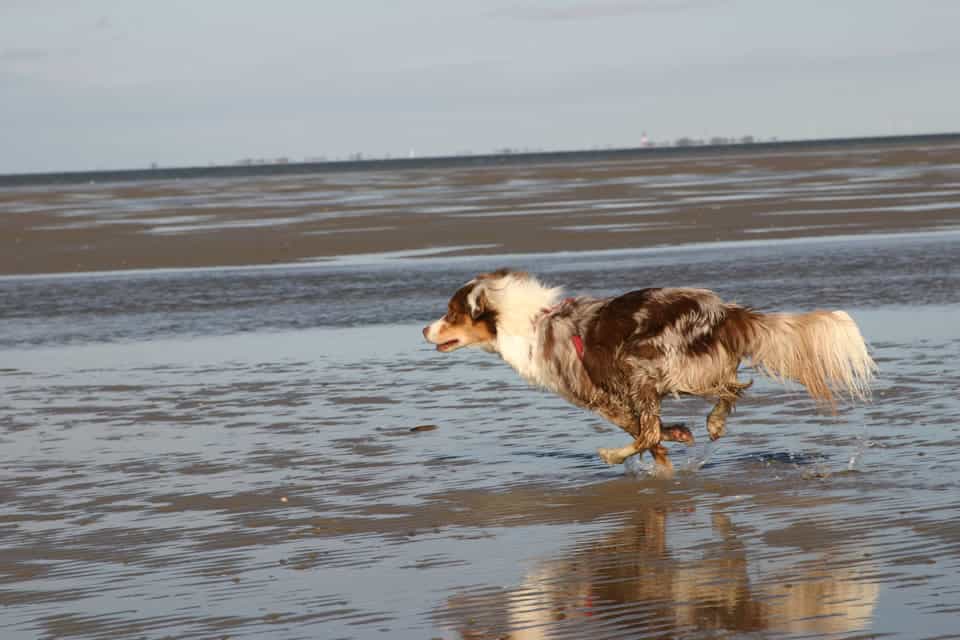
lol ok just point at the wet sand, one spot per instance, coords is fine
(480, 211)
(235, 453)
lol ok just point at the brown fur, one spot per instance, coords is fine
(463, 325)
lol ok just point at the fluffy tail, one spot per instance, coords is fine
(822, 350)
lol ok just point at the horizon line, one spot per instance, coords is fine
(446, 160)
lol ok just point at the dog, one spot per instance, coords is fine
(620, 356)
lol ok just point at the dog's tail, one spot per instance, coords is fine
(822, 350)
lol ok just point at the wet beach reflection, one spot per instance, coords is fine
(646, 578)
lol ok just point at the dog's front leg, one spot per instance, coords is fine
(626, 419)
(646, 432)
(662, 460)
(676, 433)
(617, 456)
(658, 451)
(671, 433)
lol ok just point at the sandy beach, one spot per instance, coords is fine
(272, 450)
(480, 211)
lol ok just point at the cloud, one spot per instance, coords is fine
(593, 10)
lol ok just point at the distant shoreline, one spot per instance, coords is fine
(460, 161)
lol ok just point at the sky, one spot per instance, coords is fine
(105, 84)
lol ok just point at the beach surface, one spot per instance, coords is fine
(219, 418)
(486, 210)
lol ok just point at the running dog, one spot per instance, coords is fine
(620, 356)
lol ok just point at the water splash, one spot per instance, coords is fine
(639, 467)
(644, 466)
(700, 454)
(863, 443)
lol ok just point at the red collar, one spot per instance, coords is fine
(578, 345)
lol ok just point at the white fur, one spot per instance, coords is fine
(519, 300)
(433, 329)
(823, 350)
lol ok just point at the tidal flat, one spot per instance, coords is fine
(223, 445)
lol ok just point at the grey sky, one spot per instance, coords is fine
(122, 83)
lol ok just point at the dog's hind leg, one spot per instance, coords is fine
(717, 420)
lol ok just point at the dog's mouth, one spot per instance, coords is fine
(450, 345)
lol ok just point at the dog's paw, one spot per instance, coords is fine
(716, 426)
(676, 433)
(611, 456)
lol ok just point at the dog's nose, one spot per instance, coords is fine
(425, 330)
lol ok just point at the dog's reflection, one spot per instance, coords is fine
(635, 582)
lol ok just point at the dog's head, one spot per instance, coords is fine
(472, 314)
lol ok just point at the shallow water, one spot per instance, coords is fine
(872, 270)
(234, 453)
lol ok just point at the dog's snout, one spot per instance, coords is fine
(426, 330)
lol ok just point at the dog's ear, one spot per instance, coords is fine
(480, 305)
